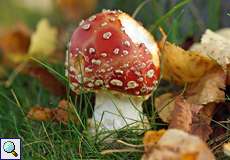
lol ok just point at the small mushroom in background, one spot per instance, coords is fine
(114, 56)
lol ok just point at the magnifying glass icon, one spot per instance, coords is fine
(9, 147)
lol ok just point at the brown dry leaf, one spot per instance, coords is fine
(181, 115)
(18, 48)
(40, 113)
(182, 66)
(48, 80)
(178, 145)
(16, 40)
(192, 118)
(75, 9)
(210, 88)
(164, 105)
(201, 122)
(63, 113)
(14, 43)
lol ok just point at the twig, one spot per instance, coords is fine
(130, 145)
(110, 151)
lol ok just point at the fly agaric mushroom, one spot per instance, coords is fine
(115, 57)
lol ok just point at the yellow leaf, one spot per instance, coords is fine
(44, 40)
(152, 137)
(182, 66)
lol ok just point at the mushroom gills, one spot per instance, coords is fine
(116, 112)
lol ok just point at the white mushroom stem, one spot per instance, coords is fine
(115, 112)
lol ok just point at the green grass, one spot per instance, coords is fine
(54, 141)
(51, 140)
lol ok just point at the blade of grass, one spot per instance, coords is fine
(140, 6)
(213, 14)
(168, 14)
(50, 69)
(173, 34)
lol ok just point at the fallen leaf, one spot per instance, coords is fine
(63, 113)
(43, 40)
(14, 44)
(16, 40)
(40, 113)
(180, 66)
(224, 32)
(181, 115)
(189, 156)
(192, 118)
(214, 46)
(152, 137)
(186, 116)
(175, 144)
(210, 88)
(201, 122)
(164, 105)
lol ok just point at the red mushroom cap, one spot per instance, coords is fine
(111, 50)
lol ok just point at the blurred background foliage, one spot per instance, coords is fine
(190, 21)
